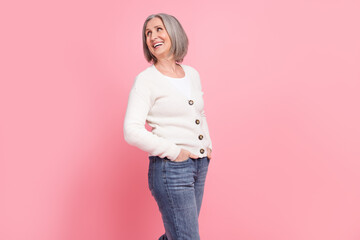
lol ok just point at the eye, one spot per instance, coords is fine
(147, 34)
(159, 28)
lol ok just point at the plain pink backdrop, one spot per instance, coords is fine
(281, 81)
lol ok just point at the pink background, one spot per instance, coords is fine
(281, 81)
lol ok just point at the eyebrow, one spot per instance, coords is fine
(154, 27)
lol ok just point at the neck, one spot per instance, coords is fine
(168, 65)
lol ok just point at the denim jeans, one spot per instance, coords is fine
(178, 189)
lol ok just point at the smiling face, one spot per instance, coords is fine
(157, 38)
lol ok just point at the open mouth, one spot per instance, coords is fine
(157, 45)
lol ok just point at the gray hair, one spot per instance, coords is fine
(179, 40)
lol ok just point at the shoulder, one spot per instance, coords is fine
(194, 75)
(190, 70)
(146, 77)
(147, 73)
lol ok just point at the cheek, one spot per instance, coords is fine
(148, 45)
(168, 40)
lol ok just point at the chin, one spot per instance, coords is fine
(161, 55)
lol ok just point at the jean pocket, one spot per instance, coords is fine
(180, 162)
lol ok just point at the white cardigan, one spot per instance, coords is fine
(176, 120)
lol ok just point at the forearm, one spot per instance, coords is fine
(137, 135)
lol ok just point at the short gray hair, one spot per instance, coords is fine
(179, 40)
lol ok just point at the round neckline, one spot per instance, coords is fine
(172, 77)
(167, 81)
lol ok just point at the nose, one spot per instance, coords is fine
(153, 36)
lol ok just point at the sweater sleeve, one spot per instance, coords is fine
(203, 117)
(135, 133)
(206, 128)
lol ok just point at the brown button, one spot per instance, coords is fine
(202, 151)
(191, 102)
(197, 121)
(200, 137)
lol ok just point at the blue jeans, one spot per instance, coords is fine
(178, 189)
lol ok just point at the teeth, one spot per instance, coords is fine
(158, 44)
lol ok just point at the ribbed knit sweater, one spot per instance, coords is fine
(176, 120)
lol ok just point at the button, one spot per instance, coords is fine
(191, 102)
(200, 137)
(202, 151)
(197, 121)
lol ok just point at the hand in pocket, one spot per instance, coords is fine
(184, 155)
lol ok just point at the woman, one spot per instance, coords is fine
(168, 96)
